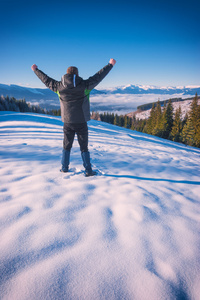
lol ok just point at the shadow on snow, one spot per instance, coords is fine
(152, 179)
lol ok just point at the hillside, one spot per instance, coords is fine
(184, 104)
(132, 232)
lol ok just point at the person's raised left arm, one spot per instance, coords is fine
(99, 76)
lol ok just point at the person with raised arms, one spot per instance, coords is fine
(73, 92)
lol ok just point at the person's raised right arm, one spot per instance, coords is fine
(51, 83)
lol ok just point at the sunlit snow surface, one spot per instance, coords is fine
(132, 232)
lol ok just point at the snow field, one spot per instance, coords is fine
(131, 233)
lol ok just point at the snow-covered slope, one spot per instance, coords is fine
(185, 108)
(132, 232)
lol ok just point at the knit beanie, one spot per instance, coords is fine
(72, 70)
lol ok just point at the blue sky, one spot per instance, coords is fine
(154, 42)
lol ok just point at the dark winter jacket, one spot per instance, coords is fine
(73, 92)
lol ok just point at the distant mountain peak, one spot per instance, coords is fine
(153, 89)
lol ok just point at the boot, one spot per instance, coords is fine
(65, 160)
(87, 164)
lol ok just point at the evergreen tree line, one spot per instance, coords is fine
(12, 104)
(163, 122)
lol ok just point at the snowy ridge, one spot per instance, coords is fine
(133, 232)
(185, 107)
(152, 89)
(128, 89)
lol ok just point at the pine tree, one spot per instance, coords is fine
(108, 118)
(197, 134)
(116, 120)
(193, 114)
(185, 119)
(151, 121)
(158, 120)
(177, 126)
(167, 120)
(191, 129)
(126, 125)
(112, 118)
(104, 117)
(121, 121)
(5, 103)
(144, 125)
(141, 125)
(188, 133)
(133, 121)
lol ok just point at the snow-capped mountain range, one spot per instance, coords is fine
(38, 93)
(120, 99)
(152, 89)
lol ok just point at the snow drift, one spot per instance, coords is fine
(131, 233)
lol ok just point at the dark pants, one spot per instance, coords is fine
(70, 130)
